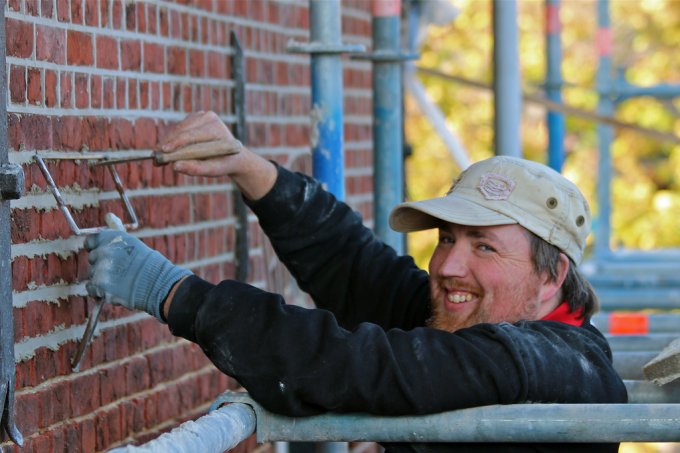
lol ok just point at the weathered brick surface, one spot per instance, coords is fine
(113, 76)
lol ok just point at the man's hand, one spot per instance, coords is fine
(254, 175)
(130, 273)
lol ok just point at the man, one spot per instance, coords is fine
(502, 317)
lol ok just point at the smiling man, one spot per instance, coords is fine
(501, 318)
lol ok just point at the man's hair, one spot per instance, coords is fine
(576, 290)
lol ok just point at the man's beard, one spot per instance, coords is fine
(526, 307)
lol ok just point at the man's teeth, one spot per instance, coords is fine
(459, 298)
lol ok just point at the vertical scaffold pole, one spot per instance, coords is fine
(553, 84)
(605, 133)
(507, 90)
(388, 146)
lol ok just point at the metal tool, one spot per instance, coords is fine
(111, 222)
(241, 134)
(114, 223)
(194, 151)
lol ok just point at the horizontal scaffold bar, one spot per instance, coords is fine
(499, 423)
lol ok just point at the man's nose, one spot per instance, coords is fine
(455, 261)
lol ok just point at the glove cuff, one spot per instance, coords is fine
(155, 282)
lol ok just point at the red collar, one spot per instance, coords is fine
(562, 314)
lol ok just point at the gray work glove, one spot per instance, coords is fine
(129, 272)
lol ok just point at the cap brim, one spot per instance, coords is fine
(426, 214)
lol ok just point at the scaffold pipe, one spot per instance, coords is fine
(216, 432)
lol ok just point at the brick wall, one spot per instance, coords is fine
(109, 77)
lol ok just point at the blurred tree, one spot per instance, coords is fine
(646, 185)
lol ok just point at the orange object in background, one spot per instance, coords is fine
(628, 324)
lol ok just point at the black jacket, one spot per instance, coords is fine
(365, 349)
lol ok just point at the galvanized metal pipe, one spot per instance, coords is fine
(605, 133)
(507, 89)
(216, 432)
(553, 84)
(11, 187)
(328, 160)
(388, 146)
(498, 423)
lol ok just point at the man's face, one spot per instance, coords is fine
(484, 274)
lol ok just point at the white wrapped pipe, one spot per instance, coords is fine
(216, 432)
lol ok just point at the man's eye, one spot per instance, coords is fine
(445, 240)
(486, 248)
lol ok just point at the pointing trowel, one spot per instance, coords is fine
(195, 151)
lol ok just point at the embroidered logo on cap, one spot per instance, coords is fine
(496, 187)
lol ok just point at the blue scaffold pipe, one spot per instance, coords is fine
(327, 115)
(553, 84)
(216, 432)
(387, 129)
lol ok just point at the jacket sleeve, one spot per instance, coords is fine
(297, 361)
(337, 260)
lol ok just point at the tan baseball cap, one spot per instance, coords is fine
(506, 190)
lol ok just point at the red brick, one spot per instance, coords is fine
(132, 415)
(27, 410)
(95, 91)
(107, 52)
(35, 132)
(137, 374)
(54, 404)
(96, 132)
(177, 60)
(88, 436)
(31, 7)
(25, 374)
(82, 91)
(151, 415)
(63, 10)
(163, 21)
(79, 48)
(108, 427)
(108, 101)
(24, 228)
(14, 5)
(113, 384)
(150, 22)
(197, 63)
(84, 394)
(174, 25)
(187, 99)
(71, 437)
(155, 95)
(130, 55)
(67, 133)
(104, 13)
(34, 91)
(133, 100)
(91, 13)
(57, 438)
(141, 18)
(130, 16)
(121, 94)
(66, 95)
(17, 84)
(154, 57)
(144, 94)
(50, 88)
(146, 133)
(50, 44)
(47, 8)
(117, 14)
(19, 38)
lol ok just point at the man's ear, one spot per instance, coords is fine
(551, 287)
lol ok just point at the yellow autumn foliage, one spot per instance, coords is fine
(646, 182)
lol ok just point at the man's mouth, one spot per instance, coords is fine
(459, 298)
